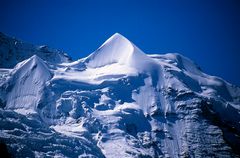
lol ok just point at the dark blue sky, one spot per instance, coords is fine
(206, 31)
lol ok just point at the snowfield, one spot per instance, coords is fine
(117, 102)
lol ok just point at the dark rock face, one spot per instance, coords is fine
(4, 151)
(13, 51)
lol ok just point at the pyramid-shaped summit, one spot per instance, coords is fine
(117, 49)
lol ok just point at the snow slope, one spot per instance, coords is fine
(25, 87)
(118, 102)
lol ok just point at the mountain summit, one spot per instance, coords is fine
(118, 49)
(117, 102)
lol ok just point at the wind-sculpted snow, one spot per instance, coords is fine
(118, 102)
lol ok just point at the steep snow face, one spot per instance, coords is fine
(118, 102)
(13, 51)
(25, 87)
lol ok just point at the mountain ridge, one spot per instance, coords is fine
(14, 51)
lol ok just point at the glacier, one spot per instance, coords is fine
(116, 102)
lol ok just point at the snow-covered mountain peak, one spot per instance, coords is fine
(117, 49)
(117, 36)
(117, 102)
(118, 41)
(30, 64)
